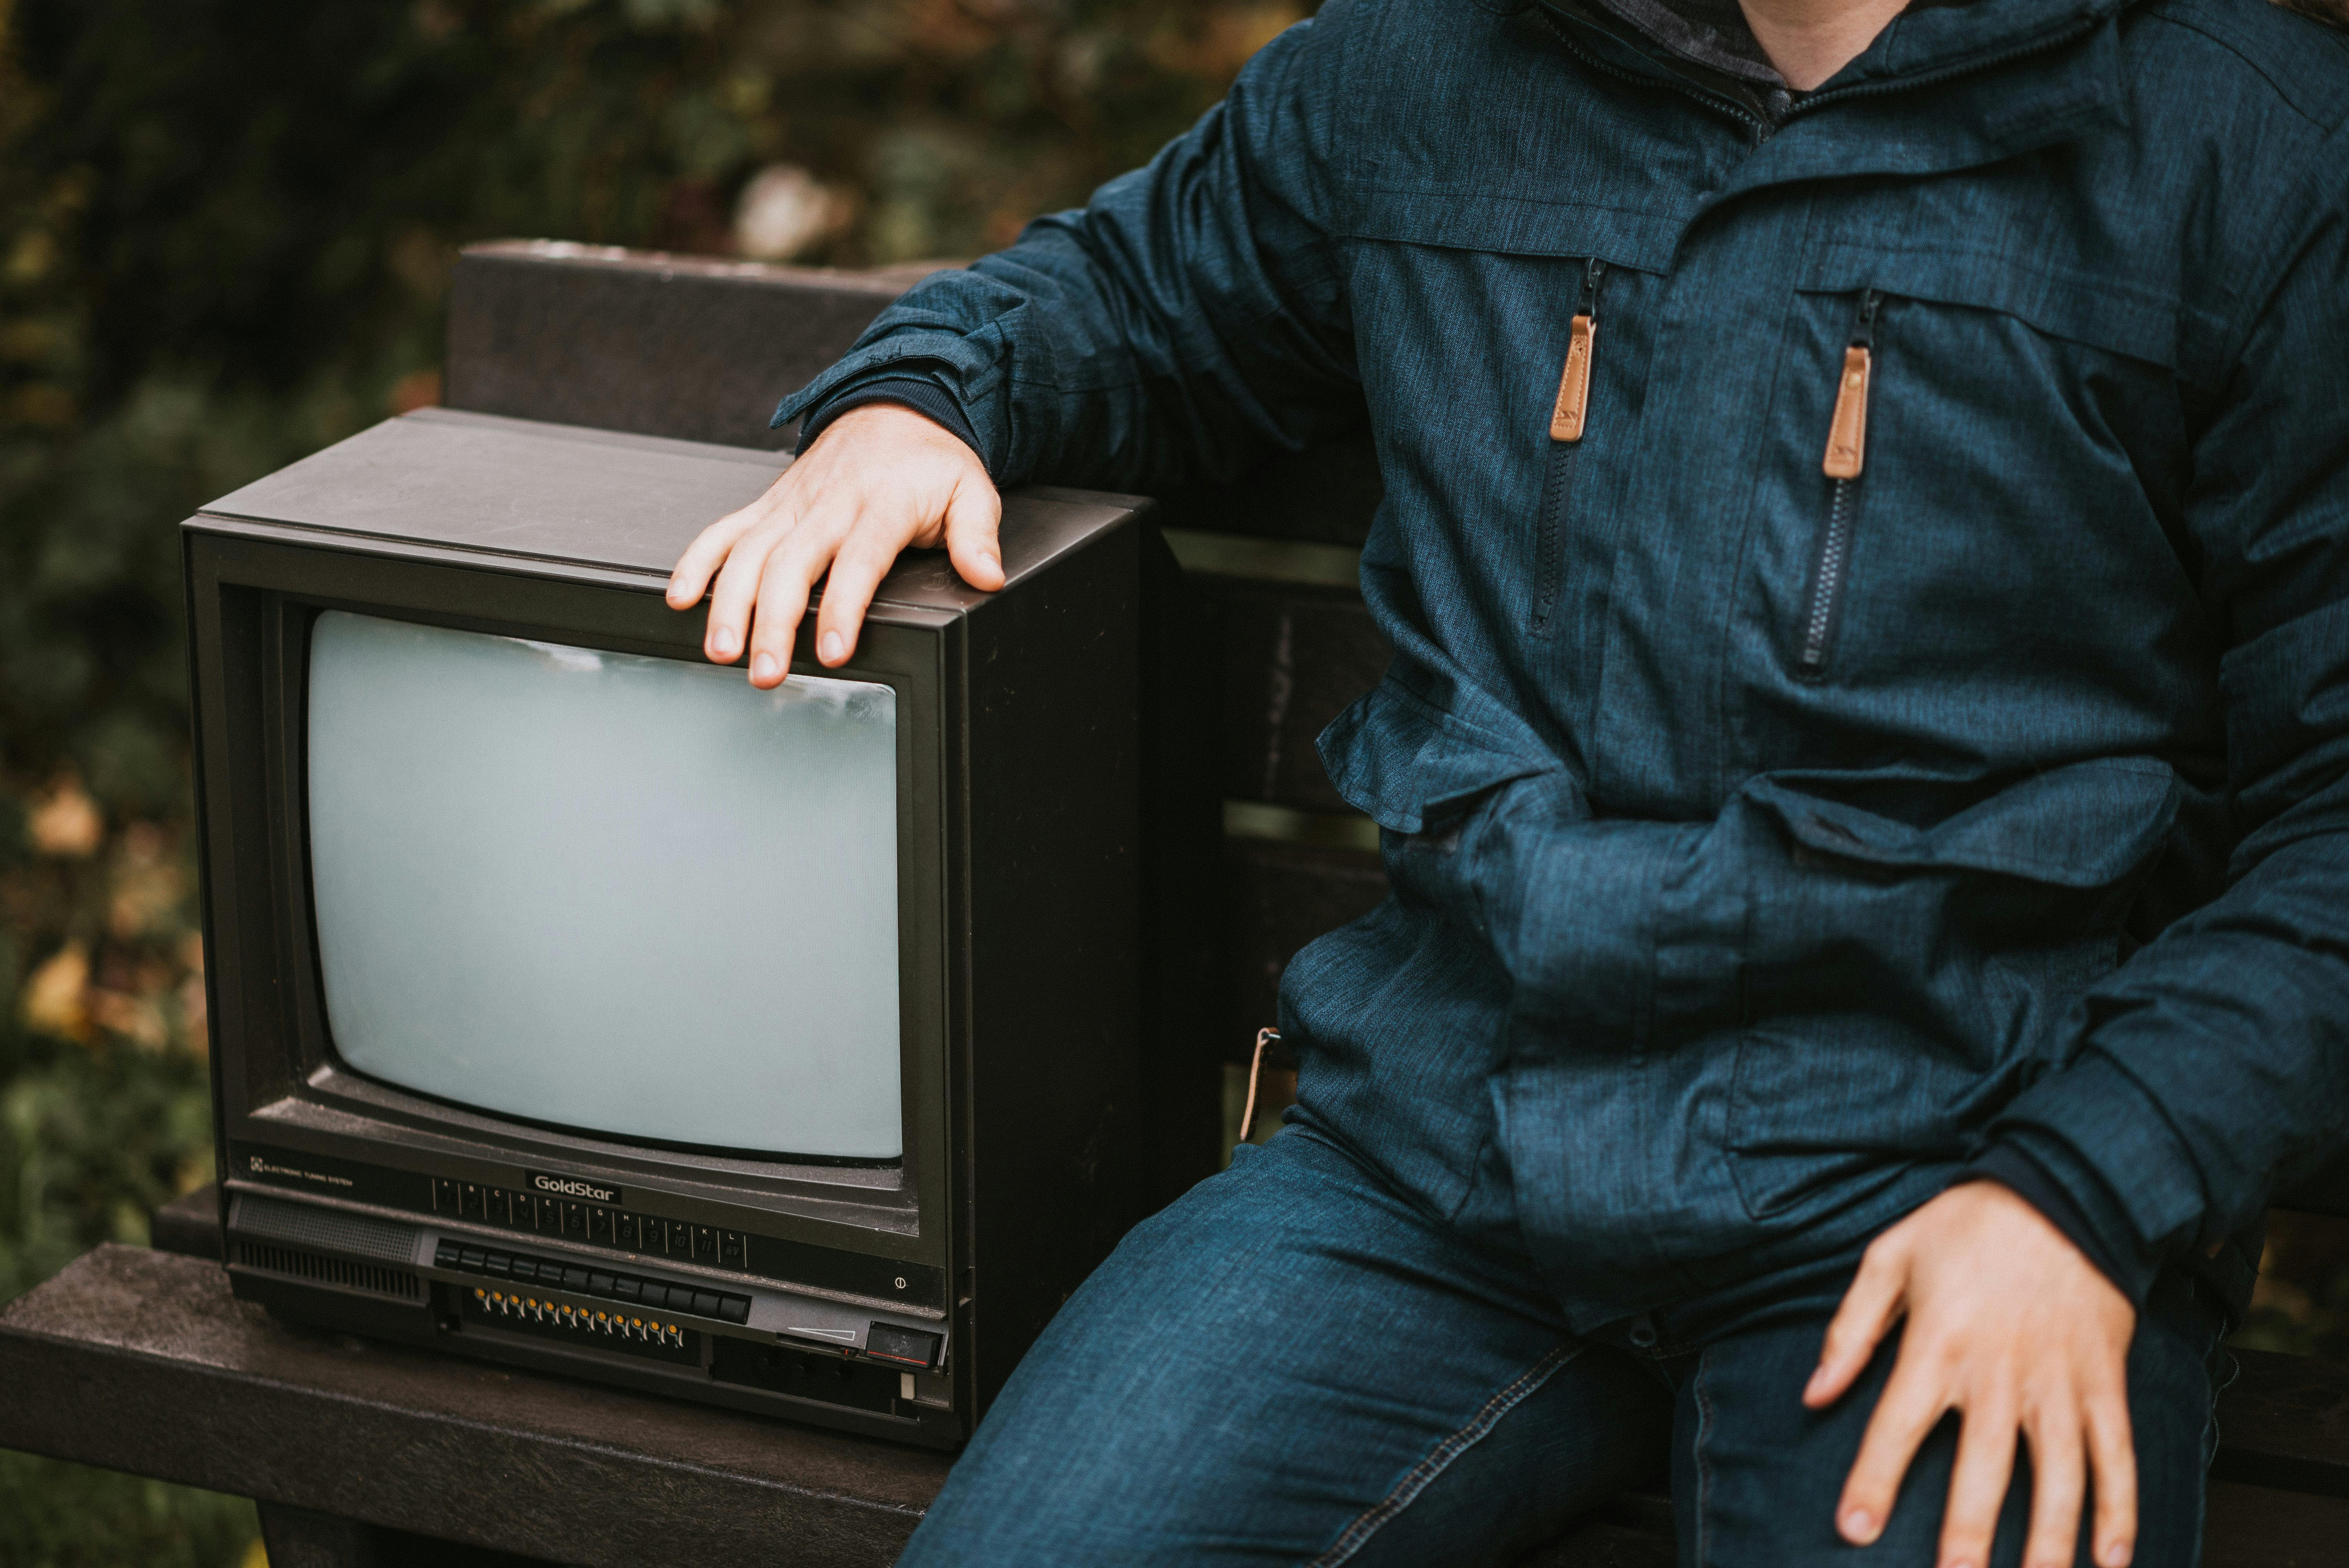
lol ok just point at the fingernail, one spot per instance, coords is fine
(724, 643)
(829, 647)
(762, 668)
(2116, 1555)
(986, 558)
(1857, 1523)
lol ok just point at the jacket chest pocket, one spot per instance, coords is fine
(1952, 486)
(1845, 461)
(1569, 417)
(1510, 345)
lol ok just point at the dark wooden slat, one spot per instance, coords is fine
(1280, 897)
(663, 346)
(141, 1361)
(2259, 1527)
(1293, 656)
(2284, 1423)
(1325, 494)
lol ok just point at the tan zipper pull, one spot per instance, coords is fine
(1847, 435)
(1567, 414)
(1573, 384)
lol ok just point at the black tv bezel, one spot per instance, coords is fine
(898, 1210)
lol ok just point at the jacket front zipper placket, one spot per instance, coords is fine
(1846, 455)
(1568, 417)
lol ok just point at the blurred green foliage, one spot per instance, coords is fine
(2301, 1305)
(63, 1516)
(224, 240)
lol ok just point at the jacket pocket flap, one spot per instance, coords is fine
(2087, 825)
(1536, 221)
(1404, 762)
(2118, 315)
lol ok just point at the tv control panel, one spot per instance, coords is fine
(593, 1214)
(597, 1224)
(457, 1283)
(650, 1295)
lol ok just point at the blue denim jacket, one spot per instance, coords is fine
(1776, 832)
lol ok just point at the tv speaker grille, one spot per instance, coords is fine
(331, 1230)
(370, 1277)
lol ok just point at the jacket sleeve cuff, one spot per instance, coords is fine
(925, 398)
(2011, 1168)
(2096, 1134)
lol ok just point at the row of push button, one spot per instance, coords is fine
(566, 1273)
(592, 1222)
(556, 1315)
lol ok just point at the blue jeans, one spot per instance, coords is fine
(1292, 1365)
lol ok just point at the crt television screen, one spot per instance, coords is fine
(623, 895)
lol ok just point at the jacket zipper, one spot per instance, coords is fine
(1847, 456)
(2046, 42)
(1754, 123)
(1568, 416)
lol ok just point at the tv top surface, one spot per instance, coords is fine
(450, 480)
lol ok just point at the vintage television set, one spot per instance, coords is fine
(575, 1004)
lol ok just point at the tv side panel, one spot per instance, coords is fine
(1055, 1139)
(1186, 959)
(245, 942)
(197, 690)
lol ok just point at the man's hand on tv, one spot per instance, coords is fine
(2012, 1327)
(880, 478)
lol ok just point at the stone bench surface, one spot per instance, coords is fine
(142, 1361)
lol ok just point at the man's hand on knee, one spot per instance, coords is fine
(879, 479)
(2012, 1327)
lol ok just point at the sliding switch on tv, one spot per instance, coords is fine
(906, 1346)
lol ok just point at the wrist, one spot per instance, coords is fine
(908, 397)
(1999, 1225)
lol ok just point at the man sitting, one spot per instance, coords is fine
(1864, 774)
